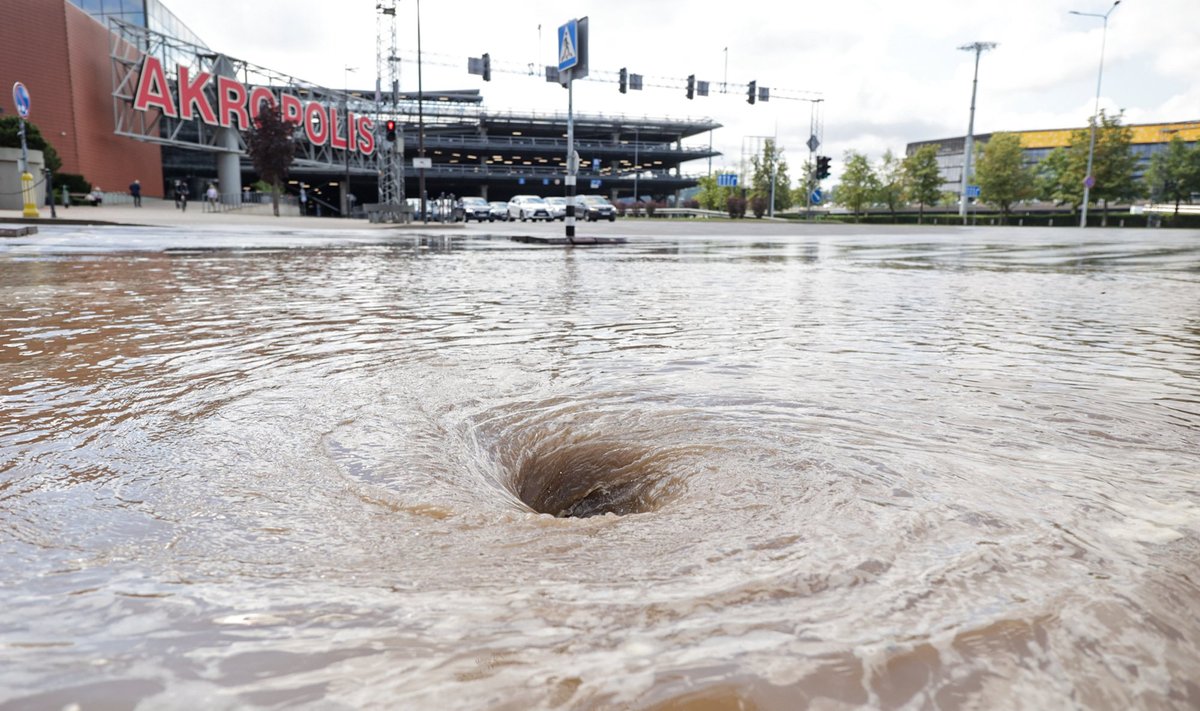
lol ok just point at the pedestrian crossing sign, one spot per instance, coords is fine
(568, 45)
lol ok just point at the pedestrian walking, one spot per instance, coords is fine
(181, 194)
(135, 189)
(303, 202)
(210, 197)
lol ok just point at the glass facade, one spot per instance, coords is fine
(151, 14)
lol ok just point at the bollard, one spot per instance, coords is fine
(27, 196)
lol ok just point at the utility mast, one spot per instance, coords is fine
(389, 155)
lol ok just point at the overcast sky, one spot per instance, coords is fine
(889, 72)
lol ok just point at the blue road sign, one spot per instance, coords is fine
(727, 180)
(816, 197)
(21, 99)
(520, 181)
(568, 45)
(973, 191)
(595, 184)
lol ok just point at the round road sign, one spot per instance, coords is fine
(21, 99)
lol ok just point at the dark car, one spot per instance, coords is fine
(595, 207)
(476, 208)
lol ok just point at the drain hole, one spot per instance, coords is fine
(592, 479)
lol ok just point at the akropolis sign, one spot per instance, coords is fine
(237, 104)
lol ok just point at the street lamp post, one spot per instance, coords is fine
(978, 48)
(420, 121)
(1088, 179)
(346, 206)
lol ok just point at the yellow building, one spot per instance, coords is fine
(1148, 139)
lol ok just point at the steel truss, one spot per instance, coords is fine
(129, 44)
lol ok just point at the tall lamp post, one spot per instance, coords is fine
(978, 48)
(1089, 180)
(346, 206)
(420, 121)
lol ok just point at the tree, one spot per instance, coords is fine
(1059, 176)
(859, 184)
(808, 183)
(271, 145)
(771, 163)
(10, 138)
(923, 178)
(1174, 174)
(1113, 164)
(891, 182)
(1001, 173)
(713, 196)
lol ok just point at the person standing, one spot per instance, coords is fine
(181, 194)
(210, 196)
(303, 201)
(135, 189)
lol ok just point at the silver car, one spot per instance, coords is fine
(558, 207)
(528, 207)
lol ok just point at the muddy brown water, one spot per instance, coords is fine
(956, 469)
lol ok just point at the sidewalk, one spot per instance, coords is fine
(156, 212)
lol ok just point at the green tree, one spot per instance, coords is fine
(271, 145)
(1059, 176)
(923, 178)
(771, 163)
(808, 183)
(34, 141)
(1001, 173)
(1114, 163)
(859, 184)
(713, 196)
(891, 182)
(1174, 174)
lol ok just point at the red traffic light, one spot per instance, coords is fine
(390, 124)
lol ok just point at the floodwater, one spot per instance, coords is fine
(950, 469)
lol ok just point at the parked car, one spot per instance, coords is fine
(595, 207)
(476, 208)
(528, 207)
(499, 211)
(558, 207)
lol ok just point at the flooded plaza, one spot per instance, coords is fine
(825, 468)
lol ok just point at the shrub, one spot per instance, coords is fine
(758, 204)
(736, 206)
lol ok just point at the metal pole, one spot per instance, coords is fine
(811, 180)
(636, 170)
(1087, 189)
(725, 81)
(978, 48)
(346, 122)
(420, 120)
(572, 168)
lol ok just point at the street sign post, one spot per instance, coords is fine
(816, 197)
(572, 65)
(727, 180)
(22, 101)
(973, 191)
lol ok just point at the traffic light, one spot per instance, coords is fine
(752, 94)
(624, 82)
(691, 89)
(822, 167)
(487, 67)
(391, 130)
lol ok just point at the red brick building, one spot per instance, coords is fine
(61, 54)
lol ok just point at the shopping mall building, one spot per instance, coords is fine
(123, 91)
(1147, 139)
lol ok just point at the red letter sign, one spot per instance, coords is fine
(152, 90)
